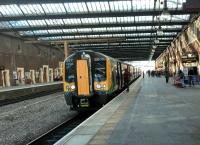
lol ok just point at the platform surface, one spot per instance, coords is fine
(4, 89)
(159, 114)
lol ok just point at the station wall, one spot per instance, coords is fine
(15, 54)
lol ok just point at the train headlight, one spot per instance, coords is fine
(104, 86)
(73, 87)
(98, 86)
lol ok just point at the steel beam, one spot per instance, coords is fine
(121, 44)
(101, 25)
(96, 15)
(7, 2)
(99, 33)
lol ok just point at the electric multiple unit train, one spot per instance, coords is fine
(91, 78)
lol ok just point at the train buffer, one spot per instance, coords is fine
(152, 113)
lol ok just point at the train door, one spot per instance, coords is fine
(45, 73)
(83, 82)
(6, 78)
(119, 75)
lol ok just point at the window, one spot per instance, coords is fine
(100, 69)
(69, 73)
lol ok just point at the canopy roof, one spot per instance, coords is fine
(135, 26)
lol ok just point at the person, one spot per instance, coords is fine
(181, 76)
(190, 77)
(167, 76)
(126, 79)
(143, 74)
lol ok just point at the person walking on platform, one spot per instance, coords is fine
(190, 77)
(167, 76)
(181, 76)
(143, 74)
(126, 79)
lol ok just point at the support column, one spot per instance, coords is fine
(66, 49)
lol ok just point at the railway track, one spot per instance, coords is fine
(61, 130)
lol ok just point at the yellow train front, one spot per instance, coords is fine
(91, 78)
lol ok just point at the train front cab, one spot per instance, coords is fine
(87, 80)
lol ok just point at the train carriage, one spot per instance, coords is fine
(91, 78)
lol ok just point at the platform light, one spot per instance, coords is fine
(154, 46)
(159, 31)
(156, 41)
(165, 15)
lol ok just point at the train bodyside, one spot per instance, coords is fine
(91, 78)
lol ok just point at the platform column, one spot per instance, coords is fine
(66, 49)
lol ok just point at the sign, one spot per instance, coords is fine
(189, 58)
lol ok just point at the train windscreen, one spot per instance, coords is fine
(69, 72)
(100, 70)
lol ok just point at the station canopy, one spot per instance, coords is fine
(127, 29)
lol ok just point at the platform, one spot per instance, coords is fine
(156, 114)
(14, 93)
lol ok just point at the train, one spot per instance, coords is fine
(91, 78)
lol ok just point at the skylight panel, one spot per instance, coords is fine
(125, 19)
(119, 35)
(99, 29)
(170, 33)
(54, 22)
(180, 17)
(84, 30)
(40, 32)
(72, 21)
(129, 28)
(36, 22)
(32, 9)
(120, 6)
(10, 10)
(114, 28)
(98, 6)
(107, 20)
(29, 33)
(55, 31)
(106, 35)
(76, 7)
(67, 37)
(144, 28)
(70, 30)
(143, 18)
(5, 25)
(90, 20)
(55, 38)
(19, 24)
(80, 36)
(54, 8)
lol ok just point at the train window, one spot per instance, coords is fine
(69, 74)
(100, 70)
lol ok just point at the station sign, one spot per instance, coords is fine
(190, 58)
